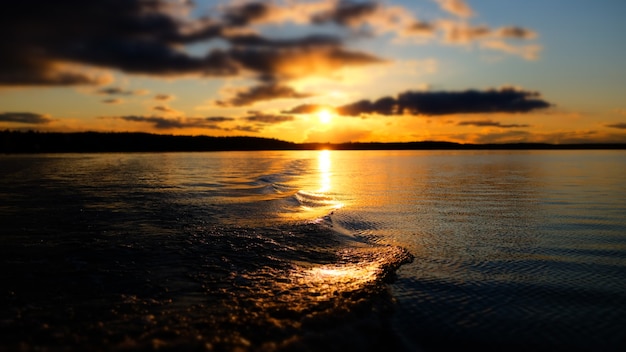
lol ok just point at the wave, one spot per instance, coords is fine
(312, 199)
(221, 288)
(209, 263)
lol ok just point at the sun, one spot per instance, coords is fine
(325, 116)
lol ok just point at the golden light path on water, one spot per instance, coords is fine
(316, 198)
(357, 267)
(324, 166)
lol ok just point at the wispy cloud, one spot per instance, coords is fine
(621, 125)
(113, 101)
(490, 123)
(267, 118)
(249, 96)
(306, 109)
(25, 117)
(165, 109)
(456, 7)
(166, 123)
(115, 91)
(164, 97)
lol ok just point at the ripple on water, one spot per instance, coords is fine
(300, 286)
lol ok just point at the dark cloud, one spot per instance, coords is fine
(132, 35)
(421, 28)
(163, 97)
(25, 117)
(113, 101)
(256, 41)
(247, 128)
(261, 93)
(306, 109)
(144, 36)
(347, 13)
(245, 14)
(115, 91)
(383, 106)
(517, 32)
(163, 108)
(268, 118)
(304, 61)
(489, 123)
(441, 103)
(18, 70)
(507, 100)
(164, 123)
(219, 119)
(621, 125)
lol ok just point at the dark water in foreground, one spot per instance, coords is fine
(394, 251)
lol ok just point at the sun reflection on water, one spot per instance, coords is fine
(324, 166)
(327, 281)
(322, 198)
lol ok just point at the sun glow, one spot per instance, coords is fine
(325, 116)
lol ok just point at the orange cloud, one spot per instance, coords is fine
(456, 7)
(269, 91)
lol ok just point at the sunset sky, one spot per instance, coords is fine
(475, 71)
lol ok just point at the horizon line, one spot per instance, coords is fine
(48, 143)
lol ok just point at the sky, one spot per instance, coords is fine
(468, 71)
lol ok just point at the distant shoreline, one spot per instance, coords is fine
(15, 142)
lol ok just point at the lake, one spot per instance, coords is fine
(314, 250)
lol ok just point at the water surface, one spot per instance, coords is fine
(310, 250)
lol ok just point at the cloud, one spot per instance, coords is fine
(516, 32)
(50, 45)
(213, 123)
(115, 91)
(621, 125)
(218, 119)
(463, 33)
(164, 97)
(507, 100)
(528, 52)
(268, 118)
(25, 70)
(135, 36)
(348, 13)
(489, 123)
(420, 28)
(306, 109)
(300, 61)
(263, 92)
(382, 106)
(375, 17)
(25, 117)
(149, 37)
(113, 101)
(247, 128)
(456, 7)
(166, 109)
(245, 14)
(164, 123)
